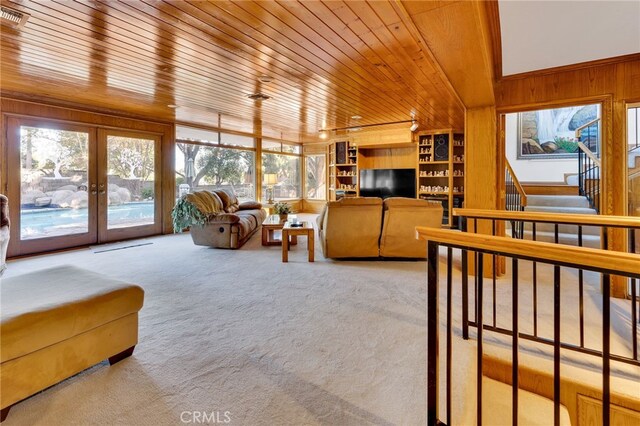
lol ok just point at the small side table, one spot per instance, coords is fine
(271, 224)
(305, 230)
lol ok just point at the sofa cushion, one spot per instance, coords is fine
(410, 202)
(45, 307)
(224, 197)
(207, 202)
(250, 205)
(233, 202)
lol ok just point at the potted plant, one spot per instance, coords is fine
(185, 214)
(282, 209)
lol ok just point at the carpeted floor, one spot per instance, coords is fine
(240, 335)
(241, 332)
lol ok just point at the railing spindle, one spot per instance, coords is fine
(556, 345)
(535, 289)
(432, 333)
(514, 356)
(449, 330)
(480, 323)
(581, 292)
(606, 348)
(465, 287)
(495, 265)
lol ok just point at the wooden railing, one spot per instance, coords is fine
(607, 263)
(515, 198)
(589, 167)
(629, 223)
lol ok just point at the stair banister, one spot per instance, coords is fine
(516, 182)
(589, 153)
(604, 262)
(578, 131)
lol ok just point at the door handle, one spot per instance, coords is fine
(93, 189)
(102, 190)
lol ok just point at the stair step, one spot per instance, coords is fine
(592, 241)
(533, 409)
(562, 229)
(557, 200)
(560, 210)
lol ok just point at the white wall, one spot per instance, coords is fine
(538, 170)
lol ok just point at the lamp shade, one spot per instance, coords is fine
(270, 178)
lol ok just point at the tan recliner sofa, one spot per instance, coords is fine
(368, 227)
(401, 216)
(230, 224)
(351, 227)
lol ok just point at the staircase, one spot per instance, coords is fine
(567, 234)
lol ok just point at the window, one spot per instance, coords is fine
(201, 167)
(279, 146)
(315, 179)
(287, 170)
(286, 167)
(213, 137)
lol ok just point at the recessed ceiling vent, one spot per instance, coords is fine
(258, 96)
(12, 17)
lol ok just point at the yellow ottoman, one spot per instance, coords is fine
(57, 322)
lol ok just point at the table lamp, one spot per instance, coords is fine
(270, 179)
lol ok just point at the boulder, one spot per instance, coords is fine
(42, 201)
(530, 146)
(62, 198)
(125, 195)
(583, 116)
(30, 196)
(68, 188)
(549, 147)
(79, 200)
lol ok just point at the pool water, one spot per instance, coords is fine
(39, 223)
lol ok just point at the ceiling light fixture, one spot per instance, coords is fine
(356, 117)
(172, 106)
(258, 96)
(323, 134)
(265, 78)
(414, 126)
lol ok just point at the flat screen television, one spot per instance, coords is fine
(385, 183)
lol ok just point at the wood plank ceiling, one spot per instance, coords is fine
(329, 60)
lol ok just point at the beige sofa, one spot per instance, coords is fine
(230, 223)
(369, 227)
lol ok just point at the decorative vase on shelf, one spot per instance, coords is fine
(283, 217)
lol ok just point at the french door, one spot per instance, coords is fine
(71, 185)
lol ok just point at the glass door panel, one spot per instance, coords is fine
(129, 185)
(51, 201)
(54, 165)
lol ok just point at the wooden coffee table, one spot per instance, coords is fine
(292, 232)
(271, 224)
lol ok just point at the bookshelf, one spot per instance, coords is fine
(440, 169)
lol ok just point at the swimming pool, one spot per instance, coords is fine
(46, 222)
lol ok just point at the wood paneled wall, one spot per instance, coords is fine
(13, 107)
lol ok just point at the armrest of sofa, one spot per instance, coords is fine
(320, 218)
(223, 218)
(250, 205)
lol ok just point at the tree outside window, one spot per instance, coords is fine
(315, 179)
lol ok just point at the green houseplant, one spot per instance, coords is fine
(282, 209)
(185, 214)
